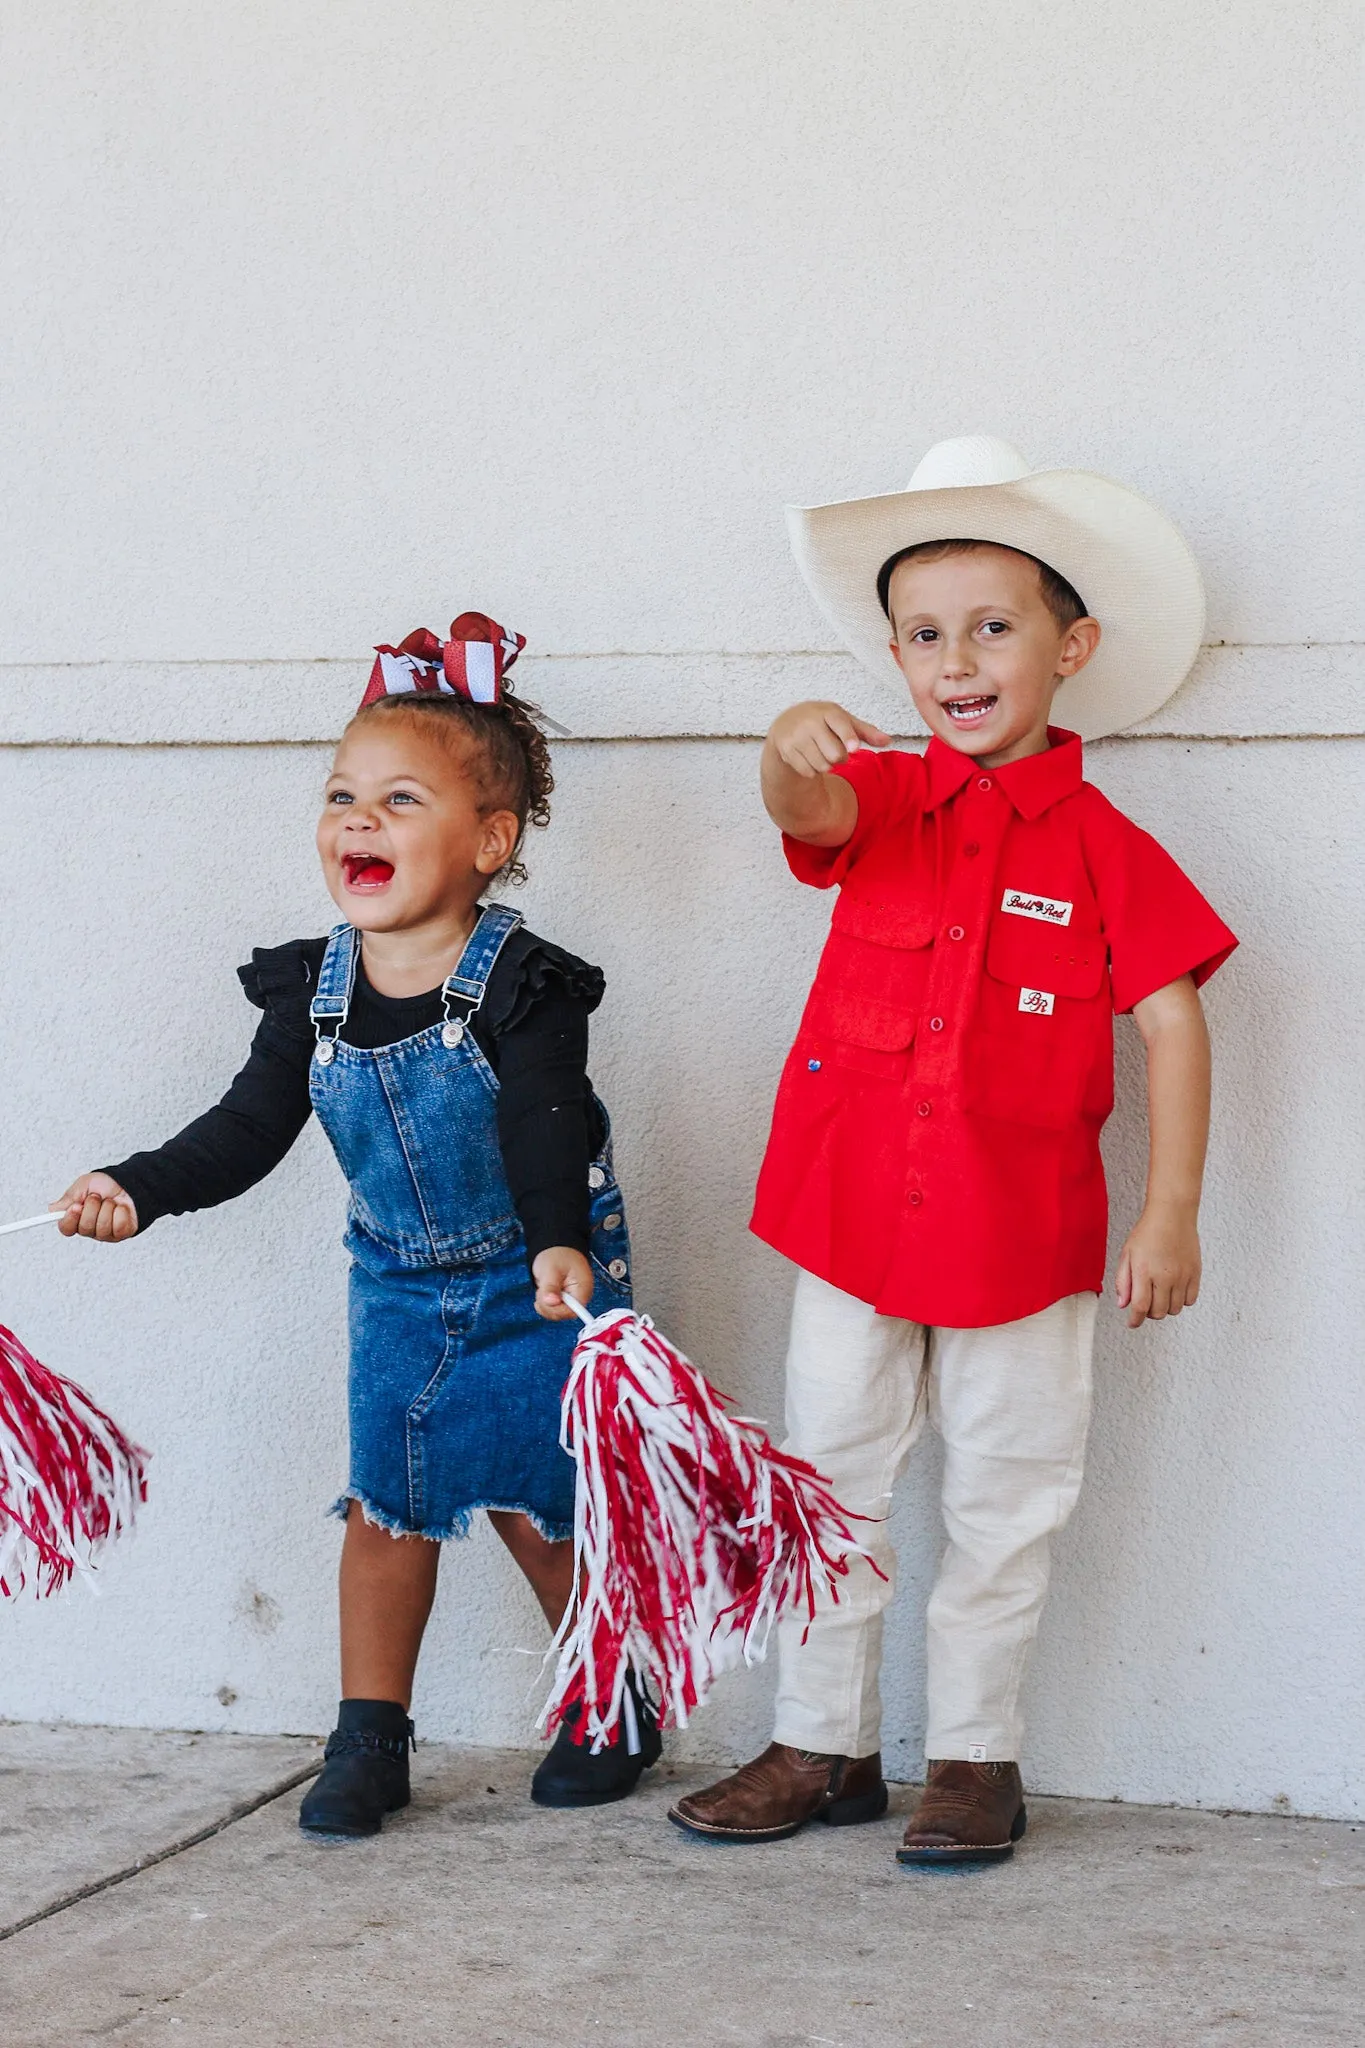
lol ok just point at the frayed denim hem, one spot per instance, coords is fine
(458, 1526)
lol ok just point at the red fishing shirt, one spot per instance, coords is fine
(935, 1143)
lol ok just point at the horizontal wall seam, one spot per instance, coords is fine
(1299, 689)
(591, 654)
(646, 739)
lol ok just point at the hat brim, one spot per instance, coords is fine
(1130, 564)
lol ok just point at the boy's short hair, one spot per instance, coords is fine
(1061, 599)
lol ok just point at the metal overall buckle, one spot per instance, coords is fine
(326, 1048)
(454, 1028)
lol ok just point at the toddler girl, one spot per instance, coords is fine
(444, 1048)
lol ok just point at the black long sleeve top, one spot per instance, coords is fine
(532, 1028)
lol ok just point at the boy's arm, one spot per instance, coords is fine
(801, 796)
(1159, 1267)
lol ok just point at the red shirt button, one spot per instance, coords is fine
(956, 931)
(971, 849)
(923, 1108)
(915, 1198)
(983, 782)
(936, 1023)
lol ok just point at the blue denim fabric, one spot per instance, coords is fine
(455, 1381)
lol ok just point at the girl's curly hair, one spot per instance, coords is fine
(502, 745)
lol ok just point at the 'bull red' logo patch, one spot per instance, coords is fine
(1047, 909)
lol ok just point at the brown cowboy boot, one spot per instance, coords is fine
(967, 1813)
(780, 1791)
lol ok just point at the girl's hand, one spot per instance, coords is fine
(97, 1207)
(1159, 1268)
(810, 739)
(559, 1270)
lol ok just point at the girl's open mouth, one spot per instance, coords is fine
(366, 872)
(970, 710)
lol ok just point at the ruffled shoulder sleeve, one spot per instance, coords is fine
(281, 979)
(529, 971)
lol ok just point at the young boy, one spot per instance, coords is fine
(934, 1167)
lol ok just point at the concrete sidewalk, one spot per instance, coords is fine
(478, 1921)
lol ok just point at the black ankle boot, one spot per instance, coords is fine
(364, 1772)
(570, 1775)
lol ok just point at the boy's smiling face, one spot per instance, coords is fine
(982, 651)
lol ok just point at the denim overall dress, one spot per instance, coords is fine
(455, 1381)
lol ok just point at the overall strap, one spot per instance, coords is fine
(336, 980)
(469, 982)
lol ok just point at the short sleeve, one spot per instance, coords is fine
(886, 786)
(1157, 924)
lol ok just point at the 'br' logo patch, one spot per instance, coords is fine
(1047, 909)
(1036, 1001)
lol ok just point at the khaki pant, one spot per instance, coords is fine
(1012, 1405)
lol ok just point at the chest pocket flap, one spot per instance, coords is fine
(873, 973)
(890, 924)
(1029, 954)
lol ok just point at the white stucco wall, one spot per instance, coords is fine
(330, 320)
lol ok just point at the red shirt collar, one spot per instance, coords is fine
(1032, 785)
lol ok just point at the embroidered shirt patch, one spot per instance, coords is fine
(1036, 1001)
(1047, 909)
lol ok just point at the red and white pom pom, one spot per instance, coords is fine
(69, 1478)
(692, 1533)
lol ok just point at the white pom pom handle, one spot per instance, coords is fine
(32, 1222)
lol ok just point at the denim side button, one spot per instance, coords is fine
(596, 1178)
(618, 1269)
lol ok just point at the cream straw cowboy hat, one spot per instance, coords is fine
(1131, 567)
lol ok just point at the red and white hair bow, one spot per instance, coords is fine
(470, 664)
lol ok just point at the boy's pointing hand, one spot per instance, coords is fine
(96, 1206)
(799, 792)
(810, 739)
